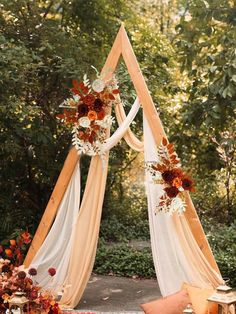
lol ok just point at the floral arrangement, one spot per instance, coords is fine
(168, 172)
(15, 248)
(15, 279)
(88, 113)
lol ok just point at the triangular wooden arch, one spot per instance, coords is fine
(120, 47)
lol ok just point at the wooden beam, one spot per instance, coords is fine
(121, 46)
(113, 57)
(158, 133)
(53, 204)
(68, 168)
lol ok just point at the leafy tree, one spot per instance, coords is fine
(43, 45)
(206, 43)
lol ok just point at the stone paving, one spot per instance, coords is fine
(110, 294)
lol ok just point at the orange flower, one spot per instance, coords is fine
(92, 115)
(26, 237)
(8, 252)
(6, 297)
(13, 242)
(177, 182)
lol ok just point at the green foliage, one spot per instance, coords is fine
(43, 45)
(124, 261)
(120, 229)
(222, 240)
(206, 43)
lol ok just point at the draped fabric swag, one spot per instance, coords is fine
(71, 244)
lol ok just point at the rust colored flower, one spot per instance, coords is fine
(187, 184)
(171, 191)
(168, 176)
(33, 294)
(8, 252)
(92, 115)
(178, 173)
(1, 249)
(21, 274)
(83, 136)
(115, 91)
(89, 99)
(26, 237)
(83, 110)
(32, 272)
(177, 182)
(101, 114)
(98, 104)
(92, 137)
(95, 127)
(13, 242)
(52, 271)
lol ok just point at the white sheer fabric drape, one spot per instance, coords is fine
(55, 251)
(176, 255)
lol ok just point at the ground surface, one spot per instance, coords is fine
(111, 294)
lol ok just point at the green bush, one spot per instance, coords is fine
(122, 260)
(222, 239)
(123, 229)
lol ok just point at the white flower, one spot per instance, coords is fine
(84, 122)
(98, 85)
(76, 98)
(177, 205)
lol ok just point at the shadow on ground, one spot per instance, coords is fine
(110, 293)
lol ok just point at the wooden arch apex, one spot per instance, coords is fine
(121, 46)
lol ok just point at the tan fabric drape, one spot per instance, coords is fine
(195, 257)
(86, 232)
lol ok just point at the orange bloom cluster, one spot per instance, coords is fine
(174, 178)
(16, 249)
(91, 104)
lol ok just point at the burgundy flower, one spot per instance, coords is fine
(33, 294)
(32, 272)
(52, 271)
(5, 268)
(98, 104)
(21, 274)
(172, 191)
(187, 184)
(168, 175)
(83, 109)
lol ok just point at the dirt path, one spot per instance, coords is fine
(110, 294)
